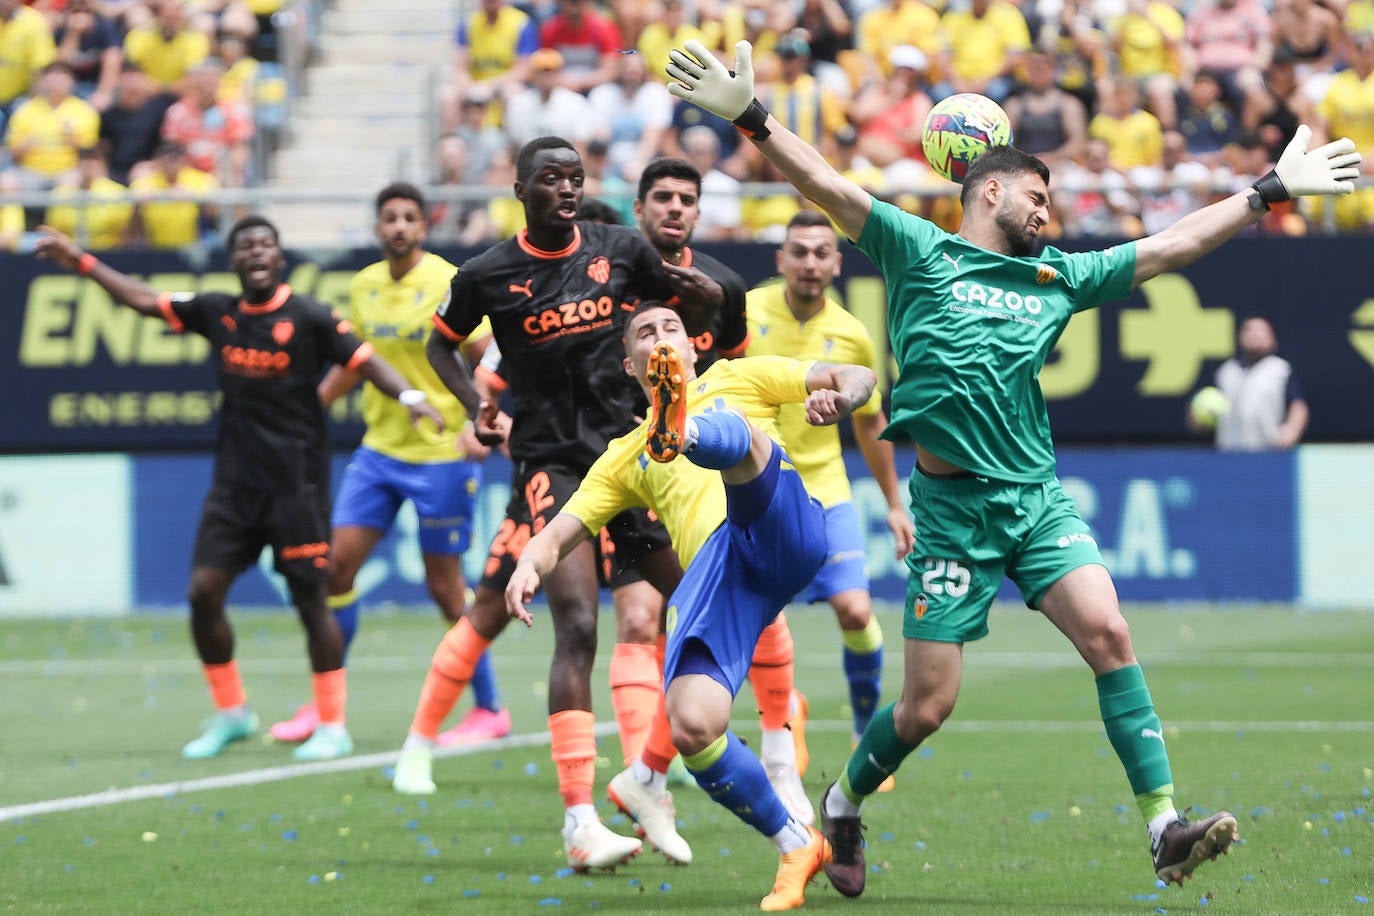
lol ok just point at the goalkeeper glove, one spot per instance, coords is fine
(1328, 169)
(704, 81)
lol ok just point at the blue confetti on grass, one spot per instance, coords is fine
(886, 837)
(1249, 877)
(1203, 901)
(428, 879)
(19, 839)
(412, 825)
(1145, 897)
(920, 844)
(1119, 809)
(926, 753)
(1345, 850)
(551, 901)
(1359, 898)
(274, 819)
(69, 868)
(724, 851)
(88, 841)
(564, 872)
(472, 892)
(635, 882)
(516, 840)
(536, 879)
(289, 836)
(219, 815)
(665, 886)
(501, 765)
(1339, 817)
(1162, 884)
(1323, 881)
(432, 851)
(313, 879)
(1039, 816)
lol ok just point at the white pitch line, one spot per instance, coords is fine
(388, 663)
(366, 761)
(268, 774)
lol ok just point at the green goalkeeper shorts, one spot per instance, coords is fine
(970, 532)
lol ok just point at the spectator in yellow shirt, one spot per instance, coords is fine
(797, 99)
(671, 29)
(168, 47)
(897, 23)
(986, 44)
(1148, 41)
(47, 130)
(95, 226)
(1347, 110)
(26, 46)
(1134, 136)
(174, 223)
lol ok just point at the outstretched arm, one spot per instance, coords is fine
(703, 80)
(1327, 170)
(837, 390)
(64, 252)
(537, 560)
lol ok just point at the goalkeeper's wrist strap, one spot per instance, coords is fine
(753, 123)
(1271, 189)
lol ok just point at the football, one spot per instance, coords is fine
(1209, 405)
(961, 128)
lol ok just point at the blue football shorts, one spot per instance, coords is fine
(445, 497)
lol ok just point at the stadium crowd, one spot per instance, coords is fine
(1144, 109)
(1142, 115)
(146, 95)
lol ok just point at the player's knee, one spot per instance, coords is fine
(694, 729)
(916, 721)
(1110, 645)
(637, 623)
(854, 613)
(448, 596)
(206, 592)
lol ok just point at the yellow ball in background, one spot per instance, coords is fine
(1208, 406)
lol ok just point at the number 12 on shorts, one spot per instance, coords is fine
(945, 577)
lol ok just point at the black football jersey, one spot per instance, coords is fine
(729, 333)
(557, 317)
(269, 357)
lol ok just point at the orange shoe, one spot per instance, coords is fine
(797, 726)
(668, 387)
(795, 871)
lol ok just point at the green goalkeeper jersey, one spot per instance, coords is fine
(970, 329)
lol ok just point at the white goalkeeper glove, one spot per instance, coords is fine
(1328, 169)
(703, 80)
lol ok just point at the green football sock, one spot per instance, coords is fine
(1137, 736)
(879, 754)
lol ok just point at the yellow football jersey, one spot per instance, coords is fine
(394, 316)
(832, 336)
(688, 499)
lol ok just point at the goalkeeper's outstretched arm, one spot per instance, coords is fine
(703, 80)
(1330, 169)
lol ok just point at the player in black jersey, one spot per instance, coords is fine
(557, 295)
(271, 479)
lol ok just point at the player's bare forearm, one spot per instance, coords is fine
(836, 392)
(818, 181)
(453, 371)
(336, 383)
(879, 455)
(538, 558)
(384, 375)
(61, 250)
(1192, 237)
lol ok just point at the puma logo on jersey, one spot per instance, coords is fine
(954, 261)
(1151, 733)
(526, 288)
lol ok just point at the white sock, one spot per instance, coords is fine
(331, 728)
(689, 435)
(235, 712)
(791, 837)
(656, 782)
(1158, 823)
(837, 804)
(575, 816)
(414, 740)
(776, 746)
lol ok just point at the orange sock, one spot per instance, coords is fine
(226, 688)
(771, 673)
(449, 673)
(331, 695)
(574, 754)
(659, 750)
(636, 694)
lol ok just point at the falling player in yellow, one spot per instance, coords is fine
(391, 303)
(797, 318)
(748, 536)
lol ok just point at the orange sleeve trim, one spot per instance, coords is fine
(735, 352)
(164, 305)
(492, 380)
(360, 356)
(446, 330)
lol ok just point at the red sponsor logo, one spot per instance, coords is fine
(251, 361)
(282, 332)
(599, 270)
(568, 315)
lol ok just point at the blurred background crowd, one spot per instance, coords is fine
(1144, 109)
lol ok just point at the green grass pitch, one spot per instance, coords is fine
(1017, 806)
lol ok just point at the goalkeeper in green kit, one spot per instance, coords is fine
(972, 317)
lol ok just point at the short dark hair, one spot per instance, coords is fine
(524, 160)
(809, 218)
(592, 210)
(400, 190)
(250, 222)
(1000, 160)
(667, 167)
(646, 305)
